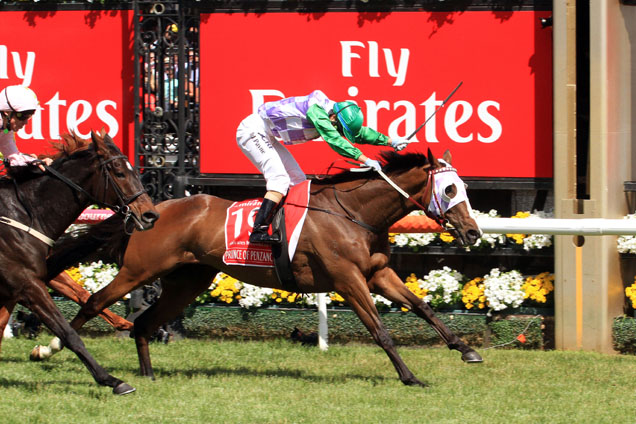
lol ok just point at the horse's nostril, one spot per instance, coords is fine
(149, 216)
(473, 235)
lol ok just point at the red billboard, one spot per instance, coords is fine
(398, 67)
(80, 65)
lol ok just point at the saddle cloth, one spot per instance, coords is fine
(239, 221)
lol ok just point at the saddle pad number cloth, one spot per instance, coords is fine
(240, 220)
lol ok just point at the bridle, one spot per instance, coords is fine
(122, 207)
(430, 195)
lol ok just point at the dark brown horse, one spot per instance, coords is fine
(45, 204)
(334, 253)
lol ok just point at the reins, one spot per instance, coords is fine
(122, 209)
(430, 196)
(327, 211)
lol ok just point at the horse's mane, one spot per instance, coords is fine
(392, 162)
(69, 144)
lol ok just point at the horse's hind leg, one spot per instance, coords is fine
(178, 290)
(37, 299)
(385, 282)
(67, 287)
(359, 299)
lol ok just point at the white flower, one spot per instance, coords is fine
(97, 275)
(627, 244)
(489, 239)
(253, 296)
(442, 285)
(538, 241)
(377, 299)
(503, 289)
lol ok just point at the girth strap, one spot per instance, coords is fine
(34, 233)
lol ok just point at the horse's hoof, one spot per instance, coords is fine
(472, 357)
(414, 382)
(123, 389)
(36, 354)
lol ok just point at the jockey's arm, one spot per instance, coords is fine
(320, 118)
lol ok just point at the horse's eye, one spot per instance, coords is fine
(118, 169)
(450, 191)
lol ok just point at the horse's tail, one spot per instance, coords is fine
(105, 241)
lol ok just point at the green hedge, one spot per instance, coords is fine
(624, 334)
(95, 326)
(344, 326)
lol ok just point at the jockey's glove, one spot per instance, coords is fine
(373, 164)
(399, 144)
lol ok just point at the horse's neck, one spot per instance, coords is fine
(52, 203)
(378, 204)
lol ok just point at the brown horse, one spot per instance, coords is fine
(343, 247)
(38, 207)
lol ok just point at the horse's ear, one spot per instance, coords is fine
(448, 158)
(431, 159)
(98, 142)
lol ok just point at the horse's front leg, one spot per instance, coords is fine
(385, 282)
(67, 287)
(35, 296)
(357, 295)
(6, 309)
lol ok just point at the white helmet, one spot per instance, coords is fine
(18, 98)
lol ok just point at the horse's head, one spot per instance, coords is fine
(449, 200)
(122, 187)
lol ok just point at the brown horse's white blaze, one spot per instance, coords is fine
(449, 200)
(345, 250)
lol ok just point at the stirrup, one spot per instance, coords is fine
(261, 236)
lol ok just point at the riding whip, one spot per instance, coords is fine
(438, 108)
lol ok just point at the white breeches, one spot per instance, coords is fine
(272, 159)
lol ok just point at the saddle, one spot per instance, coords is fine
(288, 222)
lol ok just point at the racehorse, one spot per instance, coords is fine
(343, 247)
(38, 208)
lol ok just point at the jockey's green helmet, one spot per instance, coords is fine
(350, 117)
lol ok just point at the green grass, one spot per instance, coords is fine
(281, 382)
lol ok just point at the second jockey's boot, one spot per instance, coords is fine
(262, 222)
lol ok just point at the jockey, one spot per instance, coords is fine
(17, 105)
(295, 120)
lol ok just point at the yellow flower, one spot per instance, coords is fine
(630, 292)
(412, 284)
(76, 275)
(473, 293)
(336, 297)
(518, 238)
(538, 287)
(226, 288)
(446, 237)
(521, 214)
